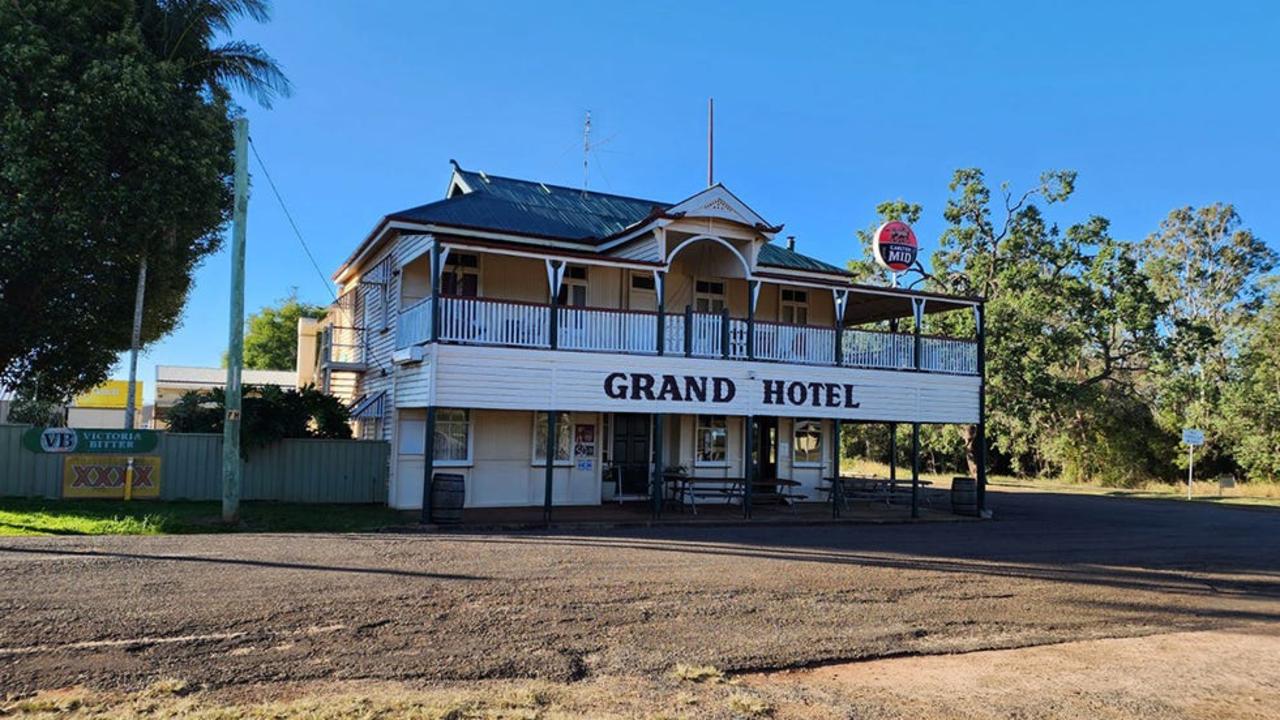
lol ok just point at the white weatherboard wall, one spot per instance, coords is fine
(510, 379)
(501, 472)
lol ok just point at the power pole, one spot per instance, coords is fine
(131, 405)
(231, 465)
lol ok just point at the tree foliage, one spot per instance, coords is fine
(1251, 401)
(271, 342)
(268, 414)
(117, 145)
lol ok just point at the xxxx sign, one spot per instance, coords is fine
(81, 440)
(103, 476)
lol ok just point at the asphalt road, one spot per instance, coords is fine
(226, 610)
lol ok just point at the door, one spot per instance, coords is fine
(631, 453)
(765, 449)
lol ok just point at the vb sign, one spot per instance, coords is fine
(894, 245)
(1192, 436)
(67, 440)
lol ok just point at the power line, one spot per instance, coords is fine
(298, 233)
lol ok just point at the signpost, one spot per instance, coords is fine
(1192, 437)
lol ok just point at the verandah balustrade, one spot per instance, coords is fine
(482, 321)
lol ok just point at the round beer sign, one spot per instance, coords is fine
(895, 246)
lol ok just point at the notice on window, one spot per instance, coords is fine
(584, 446)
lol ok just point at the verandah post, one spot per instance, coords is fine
(724, 333)
(659, 278)
(981, 439)
(753, 293)
(437, 273)
(837, 485)
(656, 487)
(688, 330)
(748, 463)
(555, 270)
(551, 466)
(915, 470)
(893, 452)
(428, 462)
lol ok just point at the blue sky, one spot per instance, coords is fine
(822, 111)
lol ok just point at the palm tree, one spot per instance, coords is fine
(184, 32)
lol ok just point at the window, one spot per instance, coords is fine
(642, 282)
(461, 276)
(806, 447)
(573, 289)
(795, 307)
(453, 437)
(708, 296)
(644, 292)
(564, 439)
(713, 440)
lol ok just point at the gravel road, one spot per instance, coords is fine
(227, 610)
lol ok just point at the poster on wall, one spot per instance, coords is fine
(584, 446)
(103, 476)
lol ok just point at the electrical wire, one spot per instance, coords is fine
(298, 233)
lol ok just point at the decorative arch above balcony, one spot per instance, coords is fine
(703, 240)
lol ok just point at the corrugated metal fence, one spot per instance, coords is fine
(296, 470)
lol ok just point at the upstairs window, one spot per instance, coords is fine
(461, 275)
(795, 307)
(708, 296)
(573, 289)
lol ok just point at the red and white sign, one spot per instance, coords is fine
(895, 246)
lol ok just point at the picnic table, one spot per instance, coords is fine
(690, 489)
(847, 488)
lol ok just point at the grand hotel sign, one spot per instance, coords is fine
(511, 379)
(723, 390)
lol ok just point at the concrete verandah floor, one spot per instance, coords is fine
(640, 513)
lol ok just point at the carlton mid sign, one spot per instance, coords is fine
(723, 390)
(894, 245)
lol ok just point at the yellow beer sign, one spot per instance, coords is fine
(103, 476)
(111, 394)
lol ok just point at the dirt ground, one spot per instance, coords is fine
(237, 615)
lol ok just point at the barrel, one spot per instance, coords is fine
(964, 496)
(448, 492)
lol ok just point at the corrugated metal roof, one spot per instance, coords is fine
(532, 208)
(779, 256)
(525, 207)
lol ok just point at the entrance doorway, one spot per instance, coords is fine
(764, 451)
(631, 454)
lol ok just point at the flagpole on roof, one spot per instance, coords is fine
(711, 141)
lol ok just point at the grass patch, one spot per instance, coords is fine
(150, 517)
(1259, 494)
(697, 673)
(1248, 494)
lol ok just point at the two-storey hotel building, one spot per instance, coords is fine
(562, 347)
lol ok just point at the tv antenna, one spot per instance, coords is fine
(589, 148)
